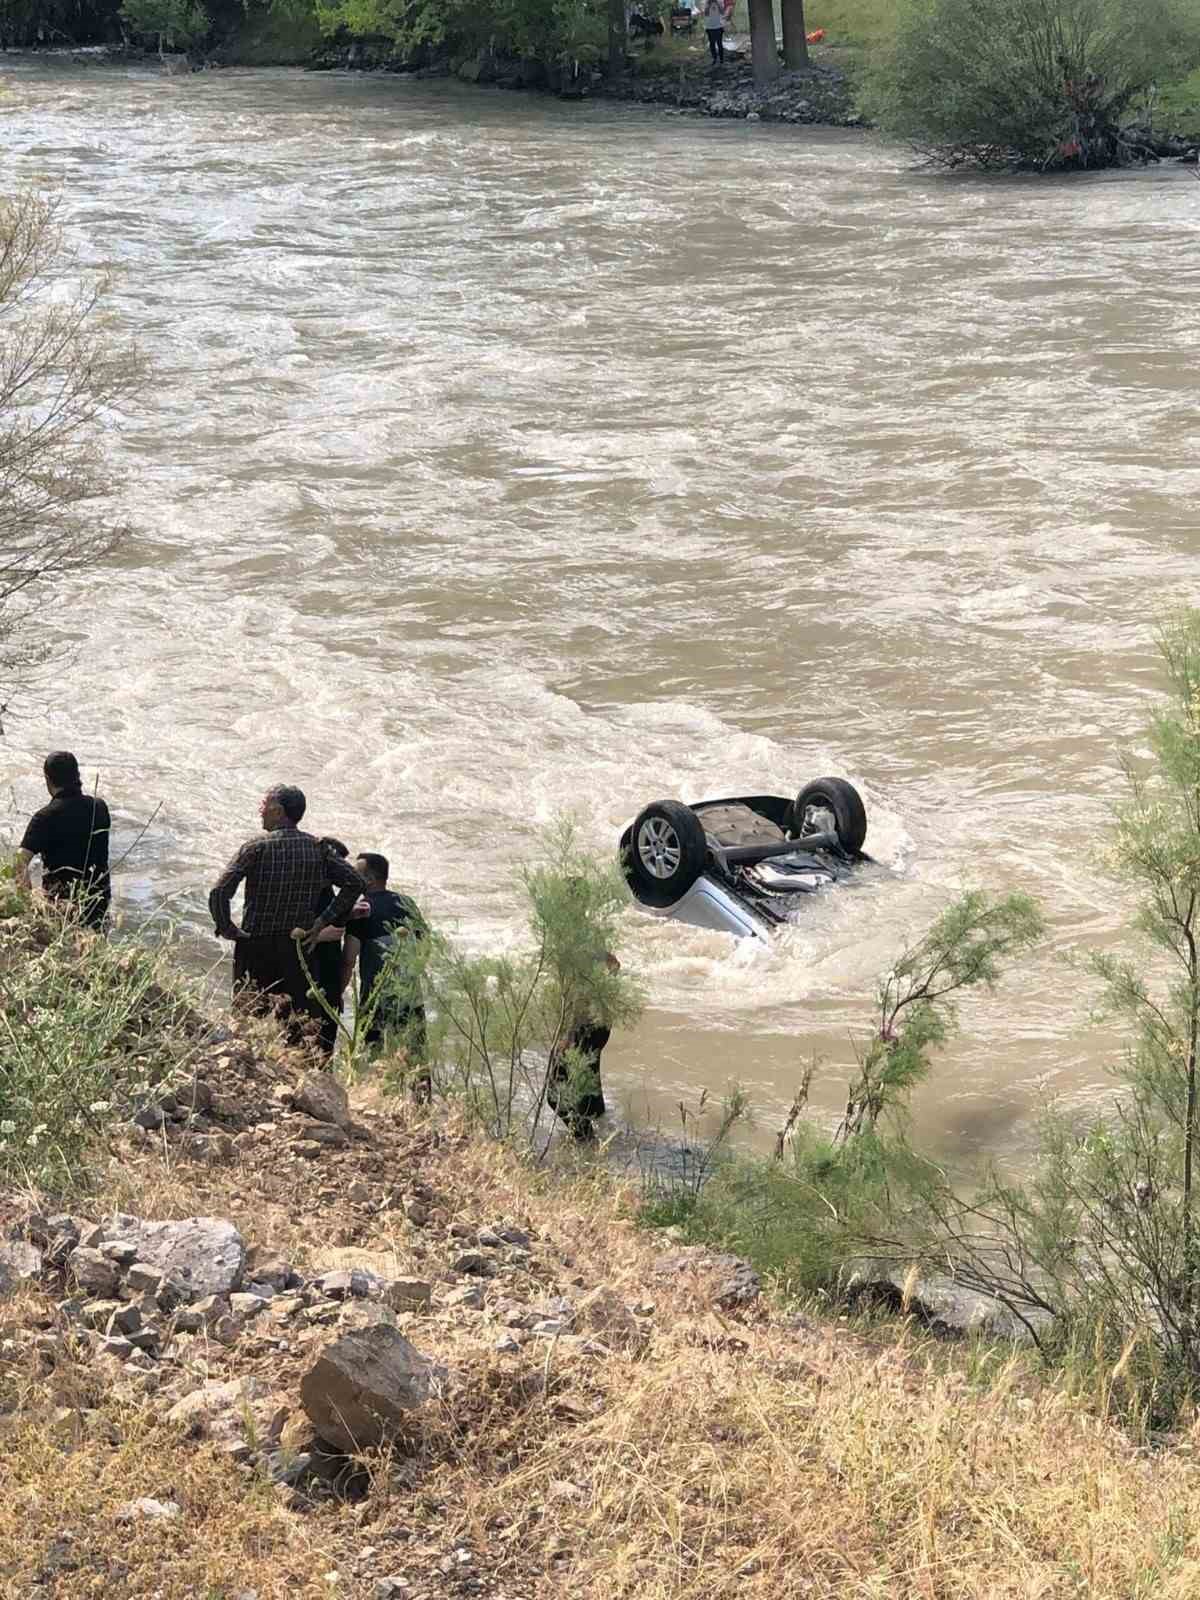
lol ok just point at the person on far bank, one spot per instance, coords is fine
(70, 834)
(714, 27)
(391, 916)
(283, 873)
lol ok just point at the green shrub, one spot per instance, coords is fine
(828, 1194)
(87, 1029)
(178, 24)
(494, 1023)
(1032, 83)
(550, 31)
(1104, 1237)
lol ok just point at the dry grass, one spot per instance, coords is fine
(753, 1458)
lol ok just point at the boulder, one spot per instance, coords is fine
(322, 1097)
(944, 1305)
(364, 1386)
(207, 1254)
(19, 1263)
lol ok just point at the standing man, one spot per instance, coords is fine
(71, 836)
(284, 872)
(391, 916)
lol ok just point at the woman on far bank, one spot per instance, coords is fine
(714, 26)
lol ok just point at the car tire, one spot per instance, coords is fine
(667, 852)
(843, 800)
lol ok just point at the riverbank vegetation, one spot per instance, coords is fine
(1043, 84)
(610, 1421)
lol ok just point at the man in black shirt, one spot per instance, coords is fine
(392, 916)
(71, 836)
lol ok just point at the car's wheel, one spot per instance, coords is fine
(837, 799)
(667, 852)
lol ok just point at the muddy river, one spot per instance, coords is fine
(505, 457)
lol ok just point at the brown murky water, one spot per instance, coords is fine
(505, 456)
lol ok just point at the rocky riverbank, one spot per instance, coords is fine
(820, 94)
(268, 1338)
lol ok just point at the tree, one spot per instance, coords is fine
(763, 48)
(178, 23)
(61, 380)
(795, 37)
(1027, 83)
(617, 38)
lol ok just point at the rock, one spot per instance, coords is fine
(19, 1263)
(515, 1236)
(407, 1294)
(203, 1314)
(603, 1314)
(322, 1133)
(125, 1319)
(506, 1345)
(96, 1313)
(358, 1193)
(352, 1285)
(266, 1266)
(461, 1230)
(206, 1254)
(474, 1264)
(489, 1239)
(417, 1214)
(322, 1097)
(364, 1386)
(149, 1510)
(119, 1251)
(947, 1307)
(390, 1588)
(150, 1116)
(122, 1349)
(245, 1306)
(95, 1274)
(196, 1411)
(550, 1327)
(738, 1285)
(468, 1298)
(142, 1278)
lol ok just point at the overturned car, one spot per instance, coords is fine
(742, 866)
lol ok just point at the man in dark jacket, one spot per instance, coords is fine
(284, 872)
(71, 836)
(392, 916)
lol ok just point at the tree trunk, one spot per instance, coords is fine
(763, 48)
(795, 42)
(617, 41)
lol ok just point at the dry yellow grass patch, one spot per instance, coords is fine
(729, 1458)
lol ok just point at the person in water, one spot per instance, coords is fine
(576, 1092)
(390, 917)
(70, 834)
(283, 873)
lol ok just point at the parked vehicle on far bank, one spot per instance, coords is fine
(744, 865)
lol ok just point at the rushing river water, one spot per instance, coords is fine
(504, 456)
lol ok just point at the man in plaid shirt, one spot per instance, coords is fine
(283, 873)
